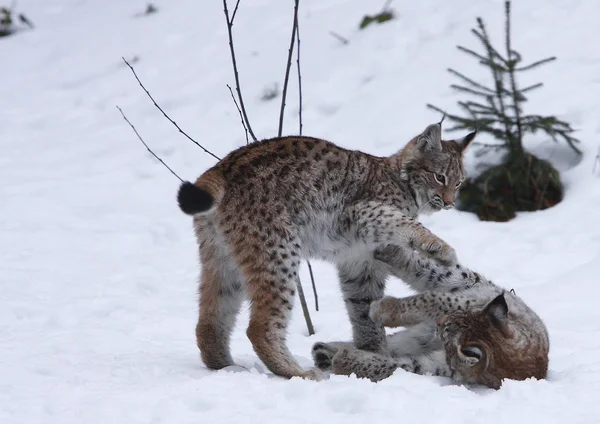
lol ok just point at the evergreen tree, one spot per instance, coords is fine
(499, 110)
(522, 182)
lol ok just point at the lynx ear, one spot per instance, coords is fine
(432, 137)
(466, 141)
(497, 310)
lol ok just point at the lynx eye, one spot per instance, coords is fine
(439, 178)
(458, 184)
(472, 352)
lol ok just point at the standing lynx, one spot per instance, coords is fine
(461, 326)
(268, 205)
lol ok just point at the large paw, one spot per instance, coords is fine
(440, 251)
(322, 354)
(380, 311)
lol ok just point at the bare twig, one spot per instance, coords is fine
(341, 39)
(596, 161)
(314, 286)
(296, 32)
(309, 324)
(235, 70)
(145, 145)
(165, 114)
(289, 65)
(240, 112)
(247, 126)
(299, 78)
(234, 12)
(312, 277)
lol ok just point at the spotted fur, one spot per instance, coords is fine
(268, 205)
(461, 326)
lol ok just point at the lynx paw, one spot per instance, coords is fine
(322, 354)
(440, 251)
(379, 311)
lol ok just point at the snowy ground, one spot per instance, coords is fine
(98, 266)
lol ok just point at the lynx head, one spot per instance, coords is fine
(487, 346)
(434, 168)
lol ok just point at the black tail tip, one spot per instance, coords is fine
(192, 199)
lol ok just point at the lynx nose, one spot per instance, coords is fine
(448, 199)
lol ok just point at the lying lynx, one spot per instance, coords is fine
(266, 206)
(462, 326)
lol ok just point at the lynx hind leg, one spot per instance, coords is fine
(271, 279)
(221, 296)
(323, 353)
(363, 364)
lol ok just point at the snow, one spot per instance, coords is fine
(98, 265)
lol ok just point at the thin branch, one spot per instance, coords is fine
(296, 35)
(484, 148)
(234, 12)
(534, 64)
(469, 90)
(596, 161)
(299, 78)
(479, 108)
(312, 277)
(531, 87)
(309, 324)
(145, 145)
(513, 83)
(165, 114)
(471, 52)
(240, 112)
(341, 39)
(289, 65)
(488, 145)
(498, 78)
(485, 39)
(235, 70)
(469, 80)
(314, 286)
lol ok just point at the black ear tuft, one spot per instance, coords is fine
(193, 199)
(442, 120)
(497, 309)
(466, 141)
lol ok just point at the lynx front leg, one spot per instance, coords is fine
(412, 310)
(362, 283)
(425, 274)
(378, 225)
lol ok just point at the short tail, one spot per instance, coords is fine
(203, 196)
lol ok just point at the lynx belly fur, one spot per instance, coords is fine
(460, 325)
(266, 206)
